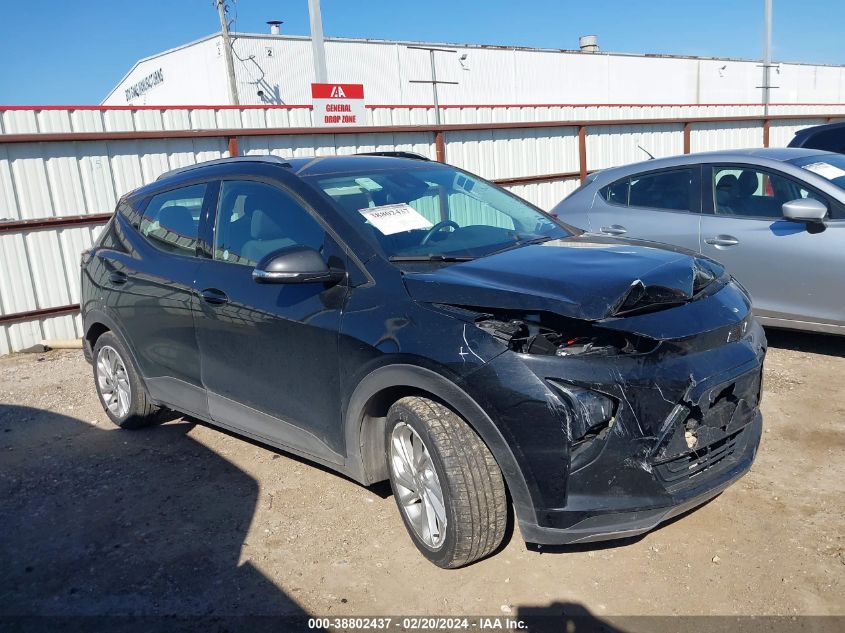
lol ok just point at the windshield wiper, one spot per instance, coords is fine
(518, 243)
(431, 258)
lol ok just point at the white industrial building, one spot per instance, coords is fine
(278, 69)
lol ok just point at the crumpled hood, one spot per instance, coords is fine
(585, 277)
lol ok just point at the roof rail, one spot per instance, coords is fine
(261, 158)
(411, 155)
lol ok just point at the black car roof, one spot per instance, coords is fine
(817, 129)
(307, 166)
(301, 166)
(355, 162)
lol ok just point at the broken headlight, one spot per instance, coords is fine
(592, 411)
(543, 334)
(705, 272)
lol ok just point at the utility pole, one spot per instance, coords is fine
(433, 81)
(767, 54)
(227, 52)
(318, 49)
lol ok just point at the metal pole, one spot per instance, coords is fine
(227, 53)
(767, 53)
(318, 50)
(434, 87)
(433, 81)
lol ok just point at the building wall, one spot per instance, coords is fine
(46, 176)
(192, 74)
(281, 67)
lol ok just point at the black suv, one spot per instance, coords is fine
(829, 137)
(395, 318)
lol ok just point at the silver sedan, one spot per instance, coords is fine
(774, 217)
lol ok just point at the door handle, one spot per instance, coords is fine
(214, 296)
(117, 277)
(614, 229)
(722, 240)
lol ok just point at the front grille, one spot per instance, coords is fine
(717, 422)
(685, 471)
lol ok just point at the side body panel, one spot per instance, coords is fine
(791, 268)
(270, 353)
(791, 272)
(149, 293)
(680, 228)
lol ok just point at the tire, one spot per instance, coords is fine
(130, 410)
(474, 500)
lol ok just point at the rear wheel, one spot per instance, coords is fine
(448, 487)
(119, 387)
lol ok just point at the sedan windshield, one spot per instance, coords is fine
(830, 166)
(437, 213)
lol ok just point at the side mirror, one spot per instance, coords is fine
(295, 265)
(805, 210)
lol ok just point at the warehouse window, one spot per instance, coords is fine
(171, 219)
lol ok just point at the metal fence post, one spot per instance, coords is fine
(582, 152)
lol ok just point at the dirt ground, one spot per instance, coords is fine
(186, 519)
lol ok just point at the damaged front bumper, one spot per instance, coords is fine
(686, 424)
(650, 512)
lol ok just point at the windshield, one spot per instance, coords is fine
(436, 213)
(829, 166)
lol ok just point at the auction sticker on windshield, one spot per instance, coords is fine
(395, 218)
(826, 170)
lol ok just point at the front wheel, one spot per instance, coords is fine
(448, 487)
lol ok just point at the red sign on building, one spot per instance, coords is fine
(339, 104)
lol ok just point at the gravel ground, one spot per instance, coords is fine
(186, 519)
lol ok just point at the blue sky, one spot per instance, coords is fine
(74, 52)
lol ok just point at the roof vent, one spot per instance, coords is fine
(275, 26)
(589, 44)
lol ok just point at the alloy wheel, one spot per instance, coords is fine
(417, 487)
(113, 381)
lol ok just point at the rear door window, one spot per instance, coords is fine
(171, 219)
(669, 190)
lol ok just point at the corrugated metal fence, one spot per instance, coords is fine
(62, 169)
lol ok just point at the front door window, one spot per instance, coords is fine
(751, 193)
(254, 219)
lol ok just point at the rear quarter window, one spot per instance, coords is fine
(171, 219)
(617, 193)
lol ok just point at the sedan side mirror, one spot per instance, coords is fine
(295, 265)
(805, 210)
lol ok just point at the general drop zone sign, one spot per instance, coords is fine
(338, 104)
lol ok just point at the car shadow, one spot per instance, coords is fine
(562, 617)
(810, 342)
(126, 530)
(381, 489)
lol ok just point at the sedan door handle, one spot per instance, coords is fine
(117, 277)
(614, 229)
(722, 240)
(214, 296)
